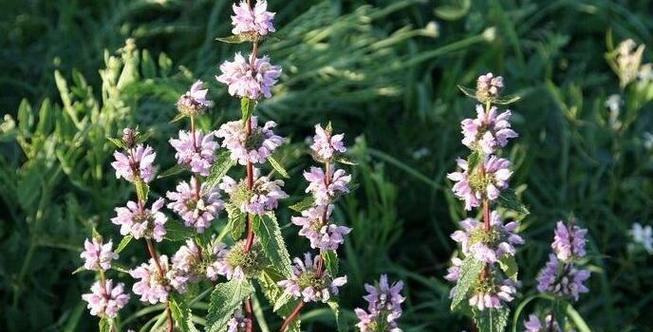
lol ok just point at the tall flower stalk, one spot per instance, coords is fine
(485, 272)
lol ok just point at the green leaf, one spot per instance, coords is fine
(345, 161)
(492, 320)
(235, 39)
(278, 168)
(340, 322)
(117, 142)
(104, 325)
(142, 189)
(247, 108)
(79, 269)
(473, 159)
(509, 266)
(178, 117)
(453, 12)
(508, 199)
(331, 262)
(174, 170)
(469, 92)
(236, 223)
(304, 204)
(506, 100)
(123, 243)
(283, 303)
(177, 231)
(120, 267)
(25, 118)
(225, 299)
(469, 272)
(269, 233)
(221, 166)
(182, 314)
(578, 320)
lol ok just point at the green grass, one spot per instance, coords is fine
(379, 76)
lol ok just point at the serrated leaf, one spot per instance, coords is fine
(269, 234)
(331, 261)
(221, 166)
(341, 324)
(246, 109)
(492, 319)
(283, 303)
(174, 170)
(117, 142)
(469, 272)
(235, 39)
(508, 265)
(236, 222)
(508, 199)
(142, 189)
(182, 314)
(177, 231)
(278, 168)
(120, 267)
(225, 299)
(304, 204)
(123, 243)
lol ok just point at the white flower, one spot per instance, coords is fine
(643, 235)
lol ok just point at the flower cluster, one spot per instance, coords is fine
(310, 282)
(250, 77)
(252, 21)
(561, 275)
(140, 222)
(97, 255)
(194, 100)
(262, 197)
(237, 262)
(249, 144)
(383, 309)
(154, 285)
(479, 182)
(195, 150)
(534, 324)
(105, 300)
(135, 163)
(196, 205)
(186, 267)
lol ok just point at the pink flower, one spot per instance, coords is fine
(263, 197)
(235, 262)
(453, 272)
(534, 324)
(186, 266)
(495, 298)
(153, 286)
(196, 207)
(490, 246)
(472, 185)
(384, 305)
(307, 284)
(251, 78)
(238, 322)
(255, 20)
(106, 300)
(562, 279)
(254, 148)
(325, 145)
(220, 266)
(568, 241)
(317, 229)
(488, 86)
(324, 189)
(136, 163)
(196, 152)
(488, 131)
(194, 101)
(98, 256)
(141, 222)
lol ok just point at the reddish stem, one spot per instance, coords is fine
(249, 326)
(293, 315)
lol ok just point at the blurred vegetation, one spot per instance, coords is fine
(74, 72)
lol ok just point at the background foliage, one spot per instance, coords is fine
(74, 72)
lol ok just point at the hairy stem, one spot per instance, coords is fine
(249, 326)
(292, 316)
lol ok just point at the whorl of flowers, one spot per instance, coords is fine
(254, 147)
(488, 131)
(493, 293)
(317, 229)
(252, 21)
(194, 101)
(384, 307)
(153, 286)
(97, 255)
(309, 282)
(236, 262)
(263, 197)
(534, 324)
(488, 246)
(488, 87)
(140, 222)
(568, 241)
(195, 151)
(326, 187)
(487, 181)
(105, 300)
(326, 145)
(187, 266)
(249, 77)
(135, 163)
(196, 206)
(562, 279)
